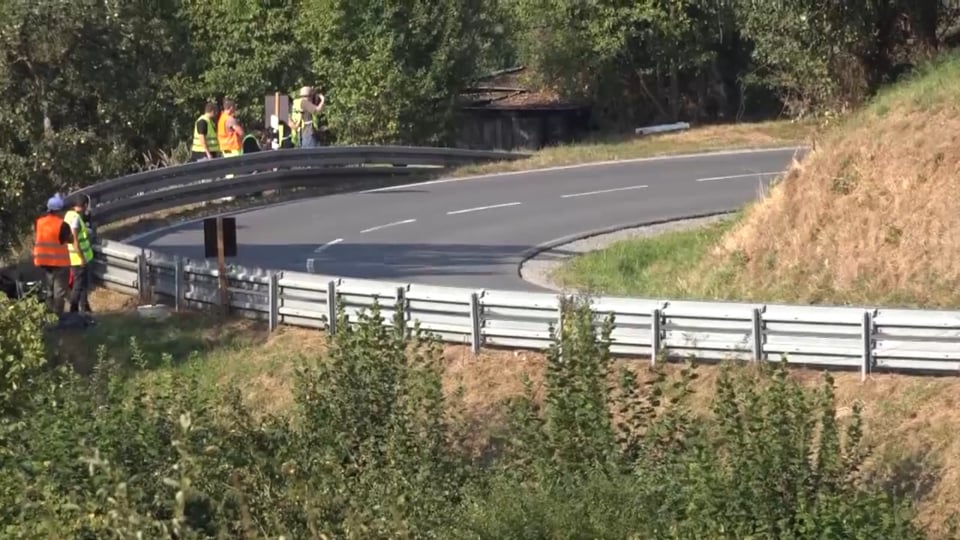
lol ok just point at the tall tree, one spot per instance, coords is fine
(392, 70)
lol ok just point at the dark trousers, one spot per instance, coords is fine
(81, 288)
(197, 156)
(55, 280)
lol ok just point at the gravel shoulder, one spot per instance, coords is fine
(538, 269)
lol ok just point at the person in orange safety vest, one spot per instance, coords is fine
(50, 253)
(229, 131)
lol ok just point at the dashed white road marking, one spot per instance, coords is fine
(751, 175)
(394, 224)
(478, 208)
(584, 194)
(328, 244)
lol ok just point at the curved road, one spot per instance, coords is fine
(474, 232)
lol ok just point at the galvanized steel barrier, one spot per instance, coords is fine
(867, 339)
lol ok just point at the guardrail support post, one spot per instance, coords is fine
(400, 305)
(332, 307)
(656, 319)
(475, 326)
(273, 301)
(866, 332)
(142, 275)
(757, 334)
(179, 285)
(559, 334)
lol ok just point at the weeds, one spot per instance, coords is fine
(372, 451)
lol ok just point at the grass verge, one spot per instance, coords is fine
(909, 420)
(647, 267)
(709, 138)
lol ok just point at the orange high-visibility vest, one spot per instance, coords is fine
(47, 249)
(228, 139)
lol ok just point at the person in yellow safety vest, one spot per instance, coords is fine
(304, 105)
(205, 144)
(81, 254)
(229, 131)
(50, 253)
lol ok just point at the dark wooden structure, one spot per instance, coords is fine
(499, 113)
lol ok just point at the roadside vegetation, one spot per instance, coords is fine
(99, 92)
(869, 217)
(199, 427)
(374, 437)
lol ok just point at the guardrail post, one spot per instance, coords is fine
(400, 304)
(756, 324)
(656, 319)
(475, 326)
(559, 333)
(179, 285)
(142, 275)
(273, 301)
(866, 332)
(332, 307)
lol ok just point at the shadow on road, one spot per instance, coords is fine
(473, 265)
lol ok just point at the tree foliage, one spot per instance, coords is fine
(95, 89)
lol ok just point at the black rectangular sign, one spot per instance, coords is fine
(229, 237)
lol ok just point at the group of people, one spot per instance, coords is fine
(222, 135)
(63, 250)
(63, 237)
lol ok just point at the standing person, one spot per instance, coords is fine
(205, 144)
(50, 253)
(229, 130)
(250, 144)
(92, 235)
(81, 254)
(302, 114)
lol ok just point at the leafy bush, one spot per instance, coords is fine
(372, 450)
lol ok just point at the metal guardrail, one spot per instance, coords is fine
(867, 339)
(180, 185)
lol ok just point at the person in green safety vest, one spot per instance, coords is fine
(81, 254)
(205, 144)
(250, 144)
(304, 112)
(283, 137)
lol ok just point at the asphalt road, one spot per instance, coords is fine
(474, 232)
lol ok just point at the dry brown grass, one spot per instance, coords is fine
(911, 420)
(870, 217)
(697, 139)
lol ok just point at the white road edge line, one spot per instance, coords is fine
(695, 155)
(665, 157)
(584, 194)
(478, 208)
(394, 224)
(328, 244)
(712, 178)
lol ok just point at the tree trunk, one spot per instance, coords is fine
(674, 90)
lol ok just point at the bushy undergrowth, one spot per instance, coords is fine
(374, 449)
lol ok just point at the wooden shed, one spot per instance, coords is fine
(499, 113)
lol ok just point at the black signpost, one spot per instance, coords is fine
(220, 241)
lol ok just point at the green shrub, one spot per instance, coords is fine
(371, 451)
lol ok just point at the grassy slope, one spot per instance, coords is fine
(909, 419)
(647, 267)
(870, 217)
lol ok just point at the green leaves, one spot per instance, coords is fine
(611, 449)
